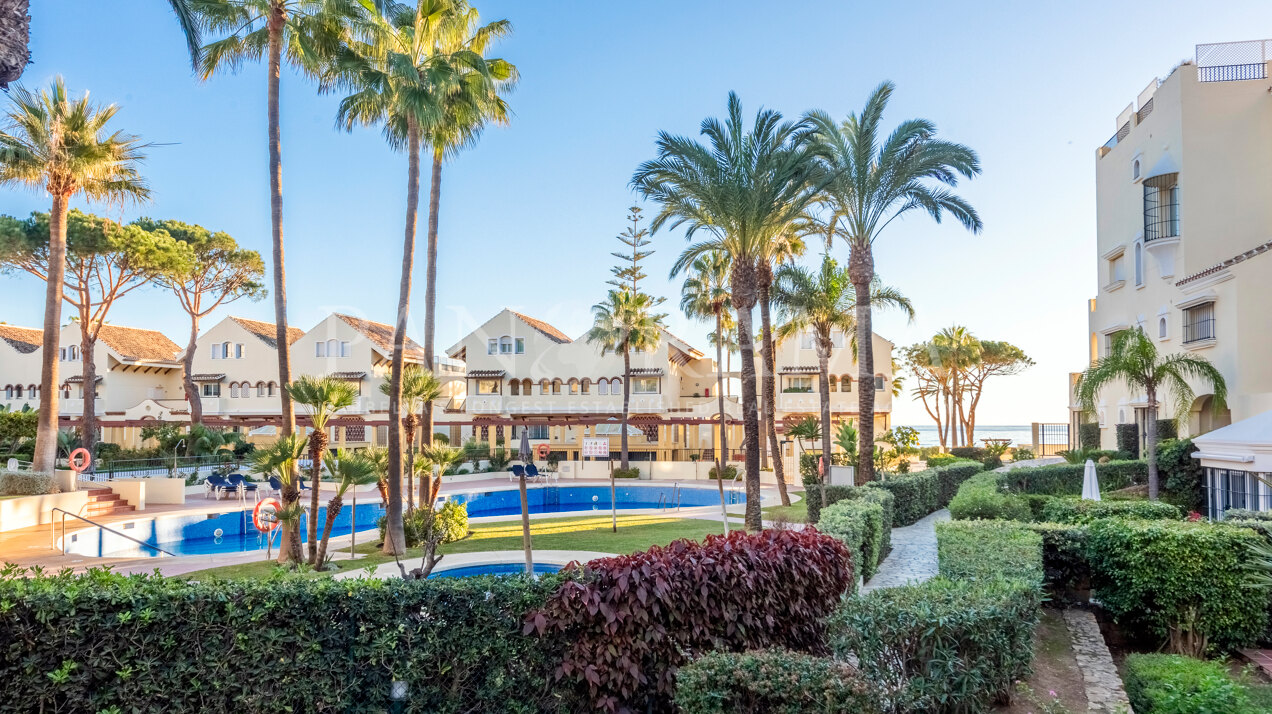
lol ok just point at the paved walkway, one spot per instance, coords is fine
(913, 557)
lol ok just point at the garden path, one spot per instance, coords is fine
(913, 556)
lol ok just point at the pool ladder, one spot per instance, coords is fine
(665, 502)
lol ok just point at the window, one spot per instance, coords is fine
(1161, 207)
(799, 384)
(211, 389)
(879, 382)
(586, 385)
(543, 386)
(1199, 323)
(217, 351)
(837, 339)
(806, 341)
(645, 385)
(845, 384)
(269, 389)
(488, 386)
(226, 350)
(1110, 340)
(574, 386)
(320, 349)
(492, 346)
(602, 386)
(346, 350)
(1117, 270)
(521, 345)
(234, 390)
(537, 431)
(260, 389)
(61, 354)
(333, 348)
(74, 352)
(514, 388)
(833, 383)
(238, 351)
(556, 386)
(505, 345)
(17, 391)
(1139, 264)
(8, 392)
(525, 387)
(1135, 169)
(1163, 328)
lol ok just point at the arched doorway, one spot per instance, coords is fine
(1203, 418)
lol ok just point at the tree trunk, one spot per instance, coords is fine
(395, 537)
(45, 459)
(15, 39)
(627, 398)
(861, 272)
(770, 392)
(430, 286)
(1150, 445)
(88, 418)
(408, 428)
(187, 374)
(823, 388)
(722, 454)
(525, 523)
(744, 299)
(333, 510)
(317, 446)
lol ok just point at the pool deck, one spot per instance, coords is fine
(29, 547)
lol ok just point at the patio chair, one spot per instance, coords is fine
(238, 481)
(218, 486)
(532, 472)
(516, 472)
(275, 486)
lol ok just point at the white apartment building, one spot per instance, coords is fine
(1184, 233)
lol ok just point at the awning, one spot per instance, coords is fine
(647, 372)
(485, 373)
(79, 379)
(348, 375)
(798, 369)
(207, 377)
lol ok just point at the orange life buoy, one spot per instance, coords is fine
(542, 451)
(266, 522)
(80, 460)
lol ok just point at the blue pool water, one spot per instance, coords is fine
(494, 569)
(197, 534)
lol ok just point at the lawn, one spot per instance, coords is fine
(592, 533)
(795, 513)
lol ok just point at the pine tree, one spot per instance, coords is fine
(629, 272)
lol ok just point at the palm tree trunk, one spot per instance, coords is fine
(722, 454)
(770, 394)
(45, 459)
(395, 536)
(333, 510)
(743, 280)
(861, 271)
(823, 388)
(187, 374)
(317, 446)
(1150, 445)
(627, 397)
(15, 38)
(430, 285)
(408, 428)
(88, 420)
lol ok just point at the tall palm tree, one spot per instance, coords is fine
(348, 470)
(1133, 360)
(53, 143)
(875, 179)
(782, 250)
(419, 71)
(626, 323)
(323, 397)
(279, 459)
(705, 296)
(305, 34)
(956, 349)
(419, 387)
(822, 301)
(745, 188)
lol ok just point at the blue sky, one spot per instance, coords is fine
(529, 216)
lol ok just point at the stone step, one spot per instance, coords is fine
(98, 492)
(113, 498)
(96, 511)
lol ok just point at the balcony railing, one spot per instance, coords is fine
(1199, 330)
(1232, 72)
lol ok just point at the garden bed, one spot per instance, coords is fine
(1055, 670)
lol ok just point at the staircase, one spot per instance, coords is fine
(105, 502)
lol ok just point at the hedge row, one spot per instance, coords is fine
(989, 550)
(859, 524)
(1066, 571)
(1070, 510)
(1066, 479)
(772, 682)
(918, 494)
(1172, 684)
(813, 490)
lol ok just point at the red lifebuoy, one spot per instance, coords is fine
(542, 450)
(80, 460)
(265, 525)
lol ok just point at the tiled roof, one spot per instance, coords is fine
(206, 377)
(647, 371)
(699, 353)
(139, 345)
(348, 375)
(79, 379)
(268, 331)
(798, 369)
(548, 331)
(23, 339)
(485, 373)
(381, 335)
(1257, 250)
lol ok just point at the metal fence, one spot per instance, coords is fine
(1232, 488)
(1233, 61)
(136, 468)
(1052, 439)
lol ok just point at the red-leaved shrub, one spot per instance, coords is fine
(629, 622)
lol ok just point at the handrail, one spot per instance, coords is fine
(65, 513)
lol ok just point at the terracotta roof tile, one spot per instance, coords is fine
(548, 331)
(381, 335)
(268, 331)
(23, 339)
(139, 345)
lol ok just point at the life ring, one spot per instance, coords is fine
(265, 520)
(80, 460)
(542, 450)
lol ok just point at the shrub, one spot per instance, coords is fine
(859, 524)
(1037, 503)
(834, 494)
(1089, 435)
(941, 646)
(441, 437)
(974, 453)
(107, 450)
(938, 460)
(771, 682)
(26, 483)
(1128, 439)
(451, 518)
(1245, 514)
(1073, 510)
(1167, 429)
(1180, 581)
(918, 494)
(1066, 479)
(634, 472)
(1171, 684)
(1181, 474)
(886, 507)
(499, 459)
(631, 621)
(475, 450)
(730, 472)
(1066, 572)
(985, 550)
(982, 498)
(149, 643)
(1022, 453)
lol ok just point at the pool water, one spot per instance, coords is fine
(494, 569)
(233, 532)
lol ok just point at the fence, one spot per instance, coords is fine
(136, 468)
(1051, 439)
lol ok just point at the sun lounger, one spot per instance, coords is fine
(218, 486)
(239, 482)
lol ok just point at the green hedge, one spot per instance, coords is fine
(1089, 435)
(1128, 439)
(26, 483)
(1066, 479)
(941, 646)
(938, 460)
(813, 494)
(859, 524)
(631, 472)
(772, 682)
(1181, 475)
(1073, 510)
(1169, 578)
(1066, 570)
(918, 494)
(283, 644)
(982, 497)
(1172, 684)
(887, 504)
(985, 550)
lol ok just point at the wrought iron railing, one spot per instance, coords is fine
(1232, 72)
(1144, 111)
(1161, 210)
(1199, 329)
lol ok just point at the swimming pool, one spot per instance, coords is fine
(233, 532)
(465, 571)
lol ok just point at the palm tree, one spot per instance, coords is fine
(279, 459)
(305, 33)
(626, 323)
(784, 249)
(1133, 359)
(53, 143)
(349, 470)
(806, 429)
(744, 189)
(419, 387)
(874, 180)
(421, 74)
(821, 302)
(956, 349)
(323, 396)
(705, 296)
(442, 458)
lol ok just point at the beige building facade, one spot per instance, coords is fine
(1184, 235)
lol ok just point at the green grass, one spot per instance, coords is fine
(795, 513)
(592, 533)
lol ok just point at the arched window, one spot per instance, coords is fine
(556, 386)
(574, 385)
(8, 391)
(543, 386)
(225, 350)
(260, 389)
(234, 390)
(586, 385)
(833, 383)
(1139, 263)
(1163, 331)
(1135, 169)
(74, 352)
(33, 391)
(17, 391)
(616, 385)
(602, 386)
(270, 389)
(514, 388)
(505, 345)
(845, 383)
(525, 386)
(333, 348)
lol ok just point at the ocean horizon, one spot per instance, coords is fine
(1018, 433)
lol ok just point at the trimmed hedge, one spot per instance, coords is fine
(283, 644)
(887, 504)
(1128, 439)
(981, 497)
(631, 472)
(1181, 474)
(938, 460)
(772, 682)
(1172, 684)
(987, 550)
(859, 524)
(1179, 580)
(1066, 571)
(943, 645)
(813, 494)
(973, 453)
(1072, 510)
(1089, 435)
(918, 494)
(1066, 479)
(26, 483)
(631, 621)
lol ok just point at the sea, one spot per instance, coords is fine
(1019, 434)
